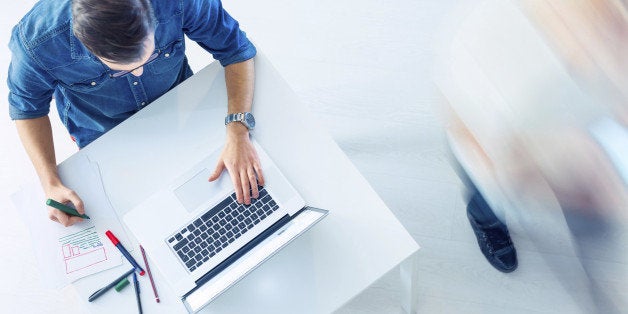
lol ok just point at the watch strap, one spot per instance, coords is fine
(245, 118)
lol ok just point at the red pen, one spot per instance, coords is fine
(126, 254)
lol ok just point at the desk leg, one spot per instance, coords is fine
(408, 270)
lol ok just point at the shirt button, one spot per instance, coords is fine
(167, 55)
(143, 103)
(93, 83)
(134, 83)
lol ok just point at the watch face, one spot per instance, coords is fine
(249, 120)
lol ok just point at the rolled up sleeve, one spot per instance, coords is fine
(30, 85)
(207, 23)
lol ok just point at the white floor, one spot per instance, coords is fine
(364, 69)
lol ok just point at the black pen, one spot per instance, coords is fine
(136, 284)
(101, 291)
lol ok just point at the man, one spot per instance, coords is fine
(536, 94)
(104, 60)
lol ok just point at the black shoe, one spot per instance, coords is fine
(494, 241)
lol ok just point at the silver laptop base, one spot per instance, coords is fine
(209, 290)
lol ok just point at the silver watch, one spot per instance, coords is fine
(245, 117)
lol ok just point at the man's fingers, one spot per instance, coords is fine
(260, 175)
(219, 168)
(235, 179)
(253, 182)
(76, 200)
(243, 166)
(246, 190)
(62, 218)
(74, 220)
(52, 216)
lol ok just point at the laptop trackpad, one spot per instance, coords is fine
(195, 191)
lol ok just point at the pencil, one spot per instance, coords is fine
(150, 276)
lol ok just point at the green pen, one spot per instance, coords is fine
(65, 208)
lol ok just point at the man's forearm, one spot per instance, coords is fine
(36, 136)
(239, 157)
(240, 79)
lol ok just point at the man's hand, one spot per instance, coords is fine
(62, 194)
(240, 159)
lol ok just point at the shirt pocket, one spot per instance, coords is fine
(88, 85)
(169, 59)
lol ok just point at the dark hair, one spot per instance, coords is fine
(113, 29)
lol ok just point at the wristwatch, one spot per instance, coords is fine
(245, 117)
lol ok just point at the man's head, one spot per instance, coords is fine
(119, 32)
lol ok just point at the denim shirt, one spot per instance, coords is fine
(47, 59)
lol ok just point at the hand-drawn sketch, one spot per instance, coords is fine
(82, 249)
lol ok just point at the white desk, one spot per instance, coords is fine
(355, 245)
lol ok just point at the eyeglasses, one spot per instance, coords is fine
(152, 58)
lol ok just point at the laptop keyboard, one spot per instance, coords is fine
(215, 229)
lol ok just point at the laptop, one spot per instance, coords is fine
(203, 241)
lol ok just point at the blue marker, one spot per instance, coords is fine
(126, 254)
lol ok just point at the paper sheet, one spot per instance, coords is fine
(67, 254)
